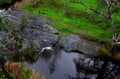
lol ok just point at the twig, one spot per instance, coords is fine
(95, 11)
(117, 43)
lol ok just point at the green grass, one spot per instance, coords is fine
(5, 1)
(80, 20)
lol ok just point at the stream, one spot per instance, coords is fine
(63, 65)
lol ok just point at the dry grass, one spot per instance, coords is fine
(102, 51)
(17, 70)
(117, 56)
(35, 75)
(118, 76)
(56, 4)
(19, 4)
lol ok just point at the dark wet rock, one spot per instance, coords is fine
(88, 64)
(85, 66)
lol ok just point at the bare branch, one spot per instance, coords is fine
(111, 4)
(117, 43)
(107, 2)
(118, 38)
(95, 11)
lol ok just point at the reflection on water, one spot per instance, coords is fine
(56, 65)
(62, 65)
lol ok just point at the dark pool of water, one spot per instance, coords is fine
(55, 66)
(61, 65)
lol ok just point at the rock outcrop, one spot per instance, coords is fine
(38, 30)
(74, 43)
(40, 33)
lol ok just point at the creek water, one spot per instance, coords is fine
(55, 66)
(63, 65)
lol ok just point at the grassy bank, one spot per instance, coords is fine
(74, 18)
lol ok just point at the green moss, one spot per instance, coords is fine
(5, 1)
(103, 51)
(26, 74)
(117, 56)
(23, 23)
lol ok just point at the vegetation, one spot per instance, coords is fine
(5, 4)
(13, 40)
(5, 1)
(70, 17)
(17, 71)
(110, 6)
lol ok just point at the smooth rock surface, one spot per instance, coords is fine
(72, 42)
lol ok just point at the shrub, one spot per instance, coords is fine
(103, 51)
(5, 1)
(17, 70)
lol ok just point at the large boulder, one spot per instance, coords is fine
(75, 43)
(88, 49)
(37, 32)
(69, 42)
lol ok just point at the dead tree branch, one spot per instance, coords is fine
(93, 10)
(110, 7)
